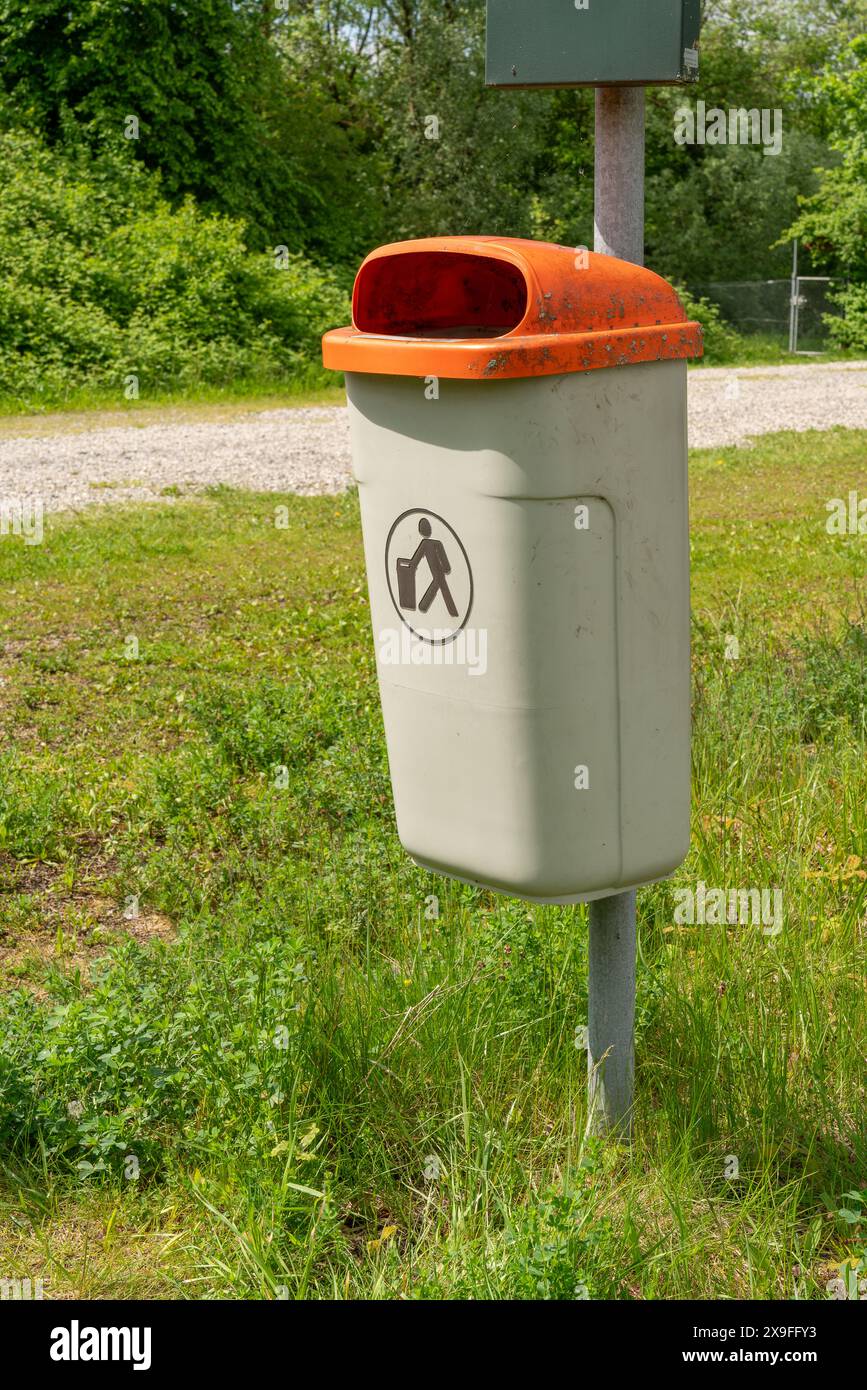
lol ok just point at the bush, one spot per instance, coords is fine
(101, 280)
(721, 341)
(833, 222)
(559, 1249)
(848, 330)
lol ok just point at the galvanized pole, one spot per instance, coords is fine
(618, 231)
(611, 1014)
(619, 211)
(793, 300)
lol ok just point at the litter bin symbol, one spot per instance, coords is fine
(434, 553)
(427, 559)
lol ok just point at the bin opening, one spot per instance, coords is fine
(439, 294)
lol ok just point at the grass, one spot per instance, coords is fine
(771, 350)
(248, 1050)
(314, 387)
(93, 407)
(141, 414)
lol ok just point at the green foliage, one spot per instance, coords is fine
(718, 216)
(831, 685)
(461, 157)
(712, 213)
(197, 91)
(561, 206)
(715, 212)
(103, 279)
(204, 93)
(848, 330)
(559, 1247)
(93, 1053)
(332, 126)
(809, 693)
(721, 342)
(833, 222)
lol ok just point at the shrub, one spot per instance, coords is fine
(721, 341)
(848, 329)
(101, 279)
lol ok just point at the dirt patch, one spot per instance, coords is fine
(52, 917)
(99, 1253)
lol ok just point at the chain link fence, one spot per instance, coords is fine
(790, 310)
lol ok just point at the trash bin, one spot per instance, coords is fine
(518, 431)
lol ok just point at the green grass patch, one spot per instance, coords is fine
(767, 350)
(313, 387)
(247, 1049)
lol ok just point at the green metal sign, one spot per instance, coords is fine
(592, 43)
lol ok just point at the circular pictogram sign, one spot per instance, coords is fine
(429, 576)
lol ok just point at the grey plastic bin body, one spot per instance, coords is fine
(537, 710)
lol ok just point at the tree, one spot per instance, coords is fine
(193, 88)
(462, 157)
(717, 212)
(833, 222)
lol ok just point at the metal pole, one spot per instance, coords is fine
(619, 212)
(618, 231)
(793, 300)
(611, 1014)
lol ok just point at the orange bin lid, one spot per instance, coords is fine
(495, 308)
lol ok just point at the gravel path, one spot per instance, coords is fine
(307, 450)
(733, 405)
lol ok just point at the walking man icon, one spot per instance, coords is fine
(427, 557)
(434, 552)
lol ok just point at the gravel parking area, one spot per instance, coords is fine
(733, 405)
(307, 450)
